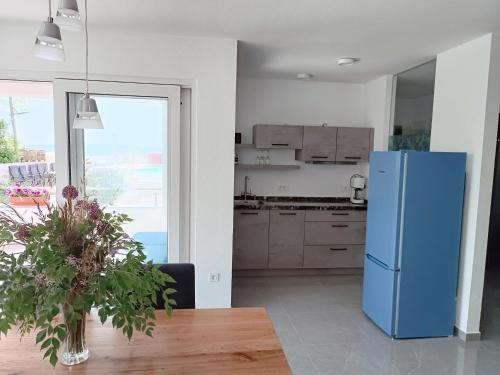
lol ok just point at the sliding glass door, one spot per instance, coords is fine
(132, 165)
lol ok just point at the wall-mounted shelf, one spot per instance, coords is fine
(271, 167)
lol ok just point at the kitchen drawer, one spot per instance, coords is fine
(334, 256)
(340, 232)
(337, 215)
(278, 136)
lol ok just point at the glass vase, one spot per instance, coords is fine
(74, 349)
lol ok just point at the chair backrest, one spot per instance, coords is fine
(14, 172)
(33, 169)
(24, 171)
(183, 274)
(42, 168)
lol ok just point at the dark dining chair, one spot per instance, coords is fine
(183, 274)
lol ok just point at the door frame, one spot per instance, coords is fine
(61, 89)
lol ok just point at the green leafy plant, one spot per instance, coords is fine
(69, 265)
(8, 147)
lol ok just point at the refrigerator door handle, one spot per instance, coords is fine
(378, 262)
(381, 264)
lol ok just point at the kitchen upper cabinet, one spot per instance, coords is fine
(319, 144)
(251, 239)
(277, 136)
(354, 144)
(286, 239)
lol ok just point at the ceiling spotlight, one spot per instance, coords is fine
(344, 61)
(68, 16)
(48, 42)
(304, 76)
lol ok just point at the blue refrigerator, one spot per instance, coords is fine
(415, 202)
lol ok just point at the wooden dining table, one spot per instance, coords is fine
(202, 341)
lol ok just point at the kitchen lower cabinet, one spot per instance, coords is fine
(334, 256)
(286, 239)
(294, 239)
(251, 239)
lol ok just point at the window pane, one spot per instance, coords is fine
(27, 149)
(413, 108)
(125, 166)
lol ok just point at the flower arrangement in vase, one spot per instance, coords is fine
(69, 266)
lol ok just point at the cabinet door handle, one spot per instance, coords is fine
(340, 214)
(338, 248)
(249, 213)
(279, 144)
(353, 157)
(340, 225)
(288, 213)
(319, 157)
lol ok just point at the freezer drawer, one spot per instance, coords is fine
(334, 256)
(337, 215)
(341, 232)
(379, 293)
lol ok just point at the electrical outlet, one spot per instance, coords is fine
(214, 277)
(283, 188)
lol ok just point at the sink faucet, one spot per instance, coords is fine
(246, 191)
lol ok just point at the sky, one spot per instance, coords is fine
(130, 124)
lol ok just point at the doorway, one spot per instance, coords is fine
(131, 166)
(490, 315)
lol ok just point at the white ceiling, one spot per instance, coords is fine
(280, 38)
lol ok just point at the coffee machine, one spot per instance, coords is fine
(358, 185)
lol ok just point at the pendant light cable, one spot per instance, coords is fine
(86, 51)
(50, 9)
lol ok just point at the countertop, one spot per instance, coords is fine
(296, 203)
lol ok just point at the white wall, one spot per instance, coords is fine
(466, 104)
(276, 101)
(378, 97)
(206, 65)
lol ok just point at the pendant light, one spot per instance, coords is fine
(48, 42)
(87, 114)
(68, 16)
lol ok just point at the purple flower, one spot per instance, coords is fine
(70, 192)
(94, 210)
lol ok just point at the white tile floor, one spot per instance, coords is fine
(323, 331)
